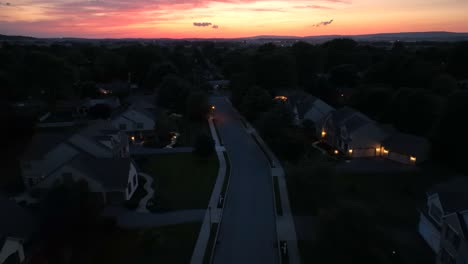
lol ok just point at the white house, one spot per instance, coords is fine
(134, 120)
(443, 221)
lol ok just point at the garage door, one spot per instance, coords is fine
(399, 157)
(363, 153)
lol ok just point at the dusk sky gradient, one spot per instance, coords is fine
(227, 18)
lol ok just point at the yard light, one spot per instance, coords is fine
(213, 107)
(336, 152)
(324, 133)
(350, 151)
(133, 138)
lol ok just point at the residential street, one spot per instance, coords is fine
(248, 230)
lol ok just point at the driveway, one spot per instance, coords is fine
(248, 229)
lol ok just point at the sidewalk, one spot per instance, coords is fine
(214, 214)
(285, 228)
(149, 193)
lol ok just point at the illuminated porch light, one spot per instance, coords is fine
(213, 107)
(324, 133)
(377, 150)
(385, 151)
(413, 159)
(281, 97)
(133, 138)
(336, 152)
(350, 151)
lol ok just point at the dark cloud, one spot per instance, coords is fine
(215, 26)
(202, 24)
(323, 23)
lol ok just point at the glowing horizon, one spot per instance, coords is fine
(227, 18)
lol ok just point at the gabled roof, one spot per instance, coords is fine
(407, 144)
(453, 195)
(112, 173)
(43, 143)
(350, 118)
(89, 139)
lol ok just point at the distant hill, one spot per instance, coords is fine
(12, 38)
(402, 36)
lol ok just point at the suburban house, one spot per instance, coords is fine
(134, 121)
(43, 162)
(306, 107)
(146, 102)
(352, 133)
(16, 227)
(111, 101)
(405, 148)
(443, 221)
(116, 179)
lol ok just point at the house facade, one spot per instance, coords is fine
(444, 219)
(352, 133)
(134, 120)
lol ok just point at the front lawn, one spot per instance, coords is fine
(181, 180)
(167, 244)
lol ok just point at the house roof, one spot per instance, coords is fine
(112, 173)
(407, 144)
(142, 101)
(15, 220)
(453, 194)
(350, 118)
(43, 143)
(89, 139)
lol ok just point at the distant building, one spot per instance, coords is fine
(135, 121)
(443, 221)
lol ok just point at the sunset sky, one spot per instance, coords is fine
(227, 18)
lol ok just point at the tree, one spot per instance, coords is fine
(452, 126)
(198, 106)
(173, 93)
(255, 101)
(414, 111)
(444, 84)
(204, 145)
